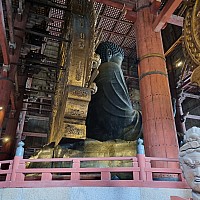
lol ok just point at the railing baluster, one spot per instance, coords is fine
(76, 166)
(148, 169)
(105, 176)
(136, 175)
(46, 177)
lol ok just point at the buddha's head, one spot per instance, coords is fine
(190, 158)
(110, 52)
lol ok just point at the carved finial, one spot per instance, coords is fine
(20, 149)
(140, 147)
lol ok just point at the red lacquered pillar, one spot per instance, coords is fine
(7, 90)
(6, 85)
(158, 122)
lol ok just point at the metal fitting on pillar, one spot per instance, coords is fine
(6, 68)
(20, 10)
(12, 113)
(12, 45)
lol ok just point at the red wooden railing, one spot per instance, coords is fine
(133, 172)
(178, 198)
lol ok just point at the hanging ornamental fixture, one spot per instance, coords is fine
(191, 41)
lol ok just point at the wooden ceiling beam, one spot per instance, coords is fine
(176, 20)
(35, 134)
(165, 14)
(129, 14)
(102, 16)
(121, 6)
(118, 34)
(173, 46)
(193, 117)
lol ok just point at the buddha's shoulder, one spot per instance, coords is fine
(109, 65)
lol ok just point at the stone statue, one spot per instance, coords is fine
(110, 113)
(190, 160)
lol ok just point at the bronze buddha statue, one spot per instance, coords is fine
(112, 124)
(110, 113)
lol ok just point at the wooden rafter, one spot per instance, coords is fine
(119, 5)
(165, 14)
(124, 7)
(176, 20)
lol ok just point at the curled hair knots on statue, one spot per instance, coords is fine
(104, 46)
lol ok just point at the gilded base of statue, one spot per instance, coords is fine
(87, 148)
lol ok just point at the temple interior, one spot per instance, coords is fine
(38, 48)
(99, 99)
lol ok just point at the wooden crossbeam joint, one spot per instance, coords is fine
(155, 5)
(165, 14)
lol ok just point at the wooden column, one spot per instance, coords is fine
(158, 122)
(6, 85)
(8, 148)
(7, 89)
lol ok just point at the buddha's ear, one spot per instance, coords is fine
(108, 54)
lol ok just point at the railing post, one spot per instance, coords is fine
(76, 167)
(16, 163)
(141, 159)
